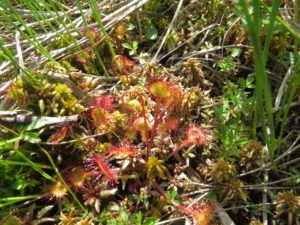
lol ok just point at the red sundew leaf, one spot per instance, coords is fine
(105, 102)
(201, 215)
(175, 100)
(196, 135)
(171, 124)
(60, 135)
(123, 150)
(77, 176)
(100, 163)
(159, 89)
(122, 65)
(90, 33)
(57, 191)
(100, 117)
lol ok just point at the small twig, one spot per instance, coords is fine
(282, 89)
(208, 28)
(267, 165)
(201, 191)
(215, 48)
(20, 56)
(26, 118)
(168, 31)
(290, 162)
(198, 199)
(62, 179)
(271, 183)
(72, 141)
(246, 206)
(265, 191)
(171, 220)
(66, 80)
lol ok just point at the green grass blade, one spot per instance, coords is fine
(282, 22)
(262, 88)
(98, 56)
(97, 15)
(294, 83)
(273, 13)
(34, 165)
(12, 200)
(17, 163)
(62, 179)
(31, 36)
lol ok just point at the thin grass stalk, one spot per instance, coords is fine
(34, 165)
(38, 16)
(45, 18)
(262, 91)
(62, 179)
(296, 10)
(288, 97)
(267, 89)
(55, 14)
(8, 55)
(295, 81)
(97, 15)
(59, 6)
(101, 63)
(98, 56)
(12, 200)
(273, 13)
(32, 34)
(296, 18)
(281, 21)
(59, 20)
(37, 11)
(18, 163)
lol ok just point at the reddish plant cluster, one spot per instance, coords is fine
(122, 66)
(104, 101)
(99, 168)
(195, 135)
(150, 115)
(86, 56)
(60, 135)
(123, 150)
(77, 177)
(99, 111)
(201, 214)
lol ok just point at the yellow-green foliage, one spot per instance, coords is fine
(156, 168)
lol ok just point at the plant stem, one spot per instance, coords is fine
(97, 15)
(18, 198)
(156, 122)
(177, 149)
(98, 56)
(296, 10)
(17, 163)
(143, 114)
(62, 179)
(296, 18)
(262, 92)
